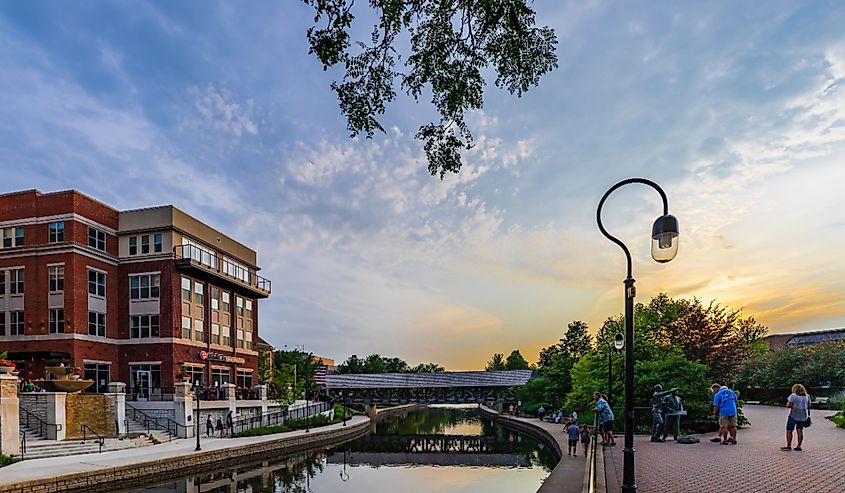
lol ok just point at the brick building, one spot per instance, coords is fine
(129, 296)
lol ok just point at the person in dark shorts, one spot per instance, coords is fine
(572, 432)
(585, 438)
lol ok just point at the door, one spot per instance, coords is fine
(144, 387)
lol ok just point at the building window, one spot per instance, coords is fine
(215, 298)
(186, 327)
(143, 326)
(57, 320)
(240, 304)
(198, 293)
(2, 282)
(96, 283)
(158, 243)
(144, 380)
(144, 287)
(96, 324)
(244, 379)
(97, 239)
(2, 323)
(220, 376)
(16, 323)
(186, 289)
(57, 232)
(133, 245)
(198, 332)
(240, 342)
(100, 373)
(56, 273)
(248, 340)
(215, 333)
(225, 332)
(16, 281)
(194, 251)
(12, 237)
(145, 244)
(197, 375)
(226, 305)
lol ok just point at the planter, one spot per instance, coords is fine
(6, 369)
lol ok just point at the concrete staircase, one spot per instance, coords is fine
(52, 448)
(154, 437)
(32, 436)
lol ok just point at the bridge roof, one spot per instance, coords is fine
(447, 379)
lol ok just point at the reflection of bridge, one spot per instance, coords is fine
(442, 444)
(430, 459)
(443, 388)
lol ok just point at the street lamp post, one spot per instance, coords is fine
(664, 247)
(197, 420)
(618, 343)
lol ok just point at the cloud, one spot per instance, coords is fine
(217, 109)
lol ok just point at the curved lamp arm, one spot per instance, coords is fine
(613, 189)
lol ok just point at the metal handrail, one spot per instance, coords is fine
(221, 266)
(43, 426)
(279, 417)
(170, 426)
(591, 487)
(23, 445)
(100, 440)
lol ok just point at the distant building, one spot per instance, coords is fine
(779, 341)
(129, 296)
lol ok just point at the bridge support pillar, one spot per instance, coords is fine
(370, 409)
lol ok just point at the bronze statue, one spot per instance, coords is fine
(658, 411)
(673, 408)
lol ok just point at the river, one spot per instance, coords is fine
(431, 449)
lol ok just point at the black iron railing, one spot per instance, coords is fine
(38, 425)
(151, 394)
(213, 261)
(591, 486)
(158, 423)
(23, 445)
(100, 440)
(280, 417)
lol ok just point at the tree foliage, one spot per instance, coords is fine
(294, 374)
(375, 363)
(450, 44)
(770, 375)
(496, 363)
(515, 361)
(556, 361)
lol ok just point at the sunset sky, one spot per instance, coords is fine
(736, 108)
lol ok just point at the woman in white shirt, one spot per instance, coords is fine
(799, 405)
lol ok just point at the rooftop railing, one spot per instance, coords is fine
(212, 261)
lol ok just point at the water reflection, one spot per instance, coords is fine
(430, 449)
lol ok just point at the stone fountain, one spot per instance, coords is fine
(63, 381)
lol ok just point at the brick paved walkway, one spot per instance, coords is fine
(755, 465)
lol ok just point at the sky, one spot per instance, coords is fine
(737, 109)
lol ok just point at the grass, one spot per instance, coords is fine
(5, 460)
(839, 419)
(295, 424)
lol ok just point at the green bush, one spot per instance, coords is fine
(294, 424)
(5, 460)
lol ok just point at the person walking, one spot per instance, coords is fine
(220, 426)
(209, 426)
(541, 412)
(230, 423)
(585, 438)
(572, 432)
(799, 412)
(605, 418)
(724, 405)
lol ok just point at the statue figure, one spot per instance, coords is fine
(658, 412)
(674, 408)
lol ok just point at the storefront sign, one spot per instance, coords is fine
(212, 356)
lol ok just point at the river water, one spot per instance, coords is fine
(433, 449)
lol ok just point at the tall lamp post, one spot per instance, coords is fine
(197, 420)
(664, 247)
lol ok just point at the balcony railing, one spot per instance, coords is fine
(211, 261)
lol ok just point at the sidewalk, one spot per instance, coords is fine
(755, 465)
(29, 470)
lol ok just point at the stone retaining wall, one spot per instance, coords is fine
(139, 474)
(34, 402)
(534, 431)
(95, 411)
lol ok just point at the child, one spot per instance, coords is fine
(572, 432)
(585, 438)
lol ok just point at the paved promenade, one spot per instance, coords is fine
(29, 470)
(755, 465)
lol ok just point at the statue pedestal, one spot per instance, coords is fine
(10, 427)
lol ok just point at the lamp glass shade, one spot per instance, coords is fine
(619, 341)
(664, 238)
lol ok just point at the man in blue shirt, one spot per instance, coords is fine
(605, 418)
(724, 405)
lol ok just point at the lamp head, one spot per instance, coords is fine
(619, 341)
(664, 238)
